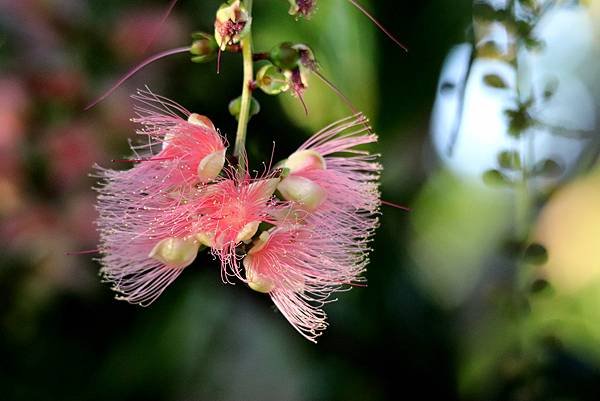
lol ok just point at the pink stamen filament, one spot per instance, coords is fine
(357, 285)
(378, 24)
(160, 24)
(219, 61)
(135, 69)
(405, 208)
(84, 252)
(335, 89)
(299, 94)
(149, 159)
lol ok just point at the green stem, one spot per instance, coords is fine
(240, 137)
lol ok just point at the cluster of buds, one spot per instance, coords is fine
(232, 23)
(297, 233)
(288, 68)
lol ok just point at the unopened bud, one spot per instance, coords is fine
(205, 239)
(266, 187)
(259, 243)
(258, 282)
(204, 47)
(271, 80)
(285, 56)
(194, 119)
(175, 252)
(305, 160)
(231, 24)
(248, 231)
(236, 104)
(211, 165)
(307, 193)
(201, 121)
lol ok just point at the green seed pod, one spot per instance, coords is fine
(271, 80)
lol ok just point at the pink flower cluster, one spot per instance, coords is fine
(299, 232)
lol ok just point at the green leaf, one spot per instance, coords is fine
(510, 160)
(550, 89)
(495, 178)
(539, 286)
(547, 168)
(519, 119)
(533, 44)
(535, 254)
(487, 12)
(495, 81)
(490, 49)
(531, 4)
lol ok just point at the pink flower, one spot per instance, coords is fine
(230, 213)
(299, 266)
(155, 216)
(321, 245)
(146, 229)
(191, 147)
(338, 183)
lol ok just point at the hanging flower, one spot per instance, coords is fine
(299, 266)
(328, 174)
(321, 244)
(146, 229)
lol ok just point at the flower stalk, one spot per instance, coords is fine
(244, 116)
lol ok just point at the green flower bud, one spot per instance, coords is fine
(285, 56)
(236, 104)
(204, 47)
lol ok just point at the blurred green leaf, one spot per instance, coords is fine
(495, 178)
(450, 265)
(550, 88)
(535, 254)
(485, 11)
(340, 37)
(519, 119)
(547, 168)
(540, 285)
(495, 81)
(510, 160)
